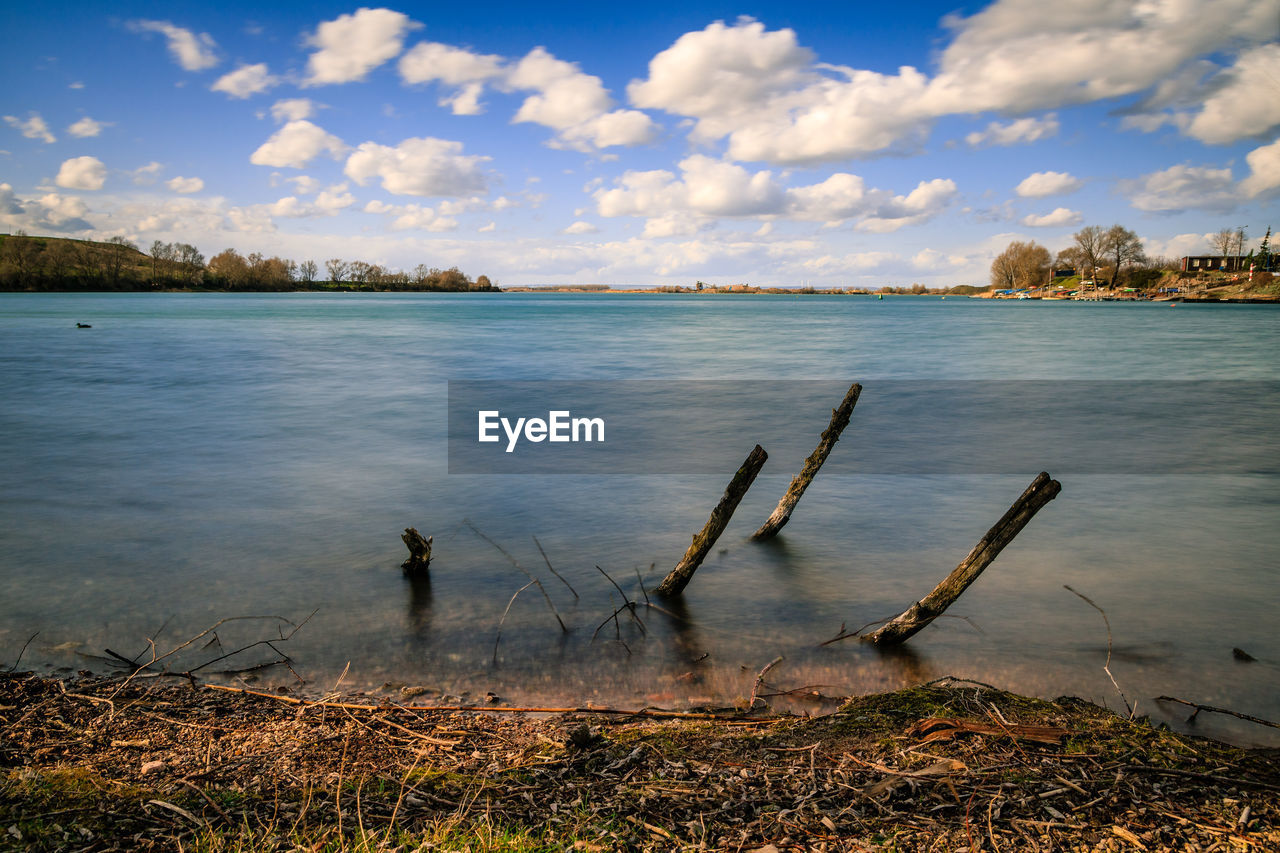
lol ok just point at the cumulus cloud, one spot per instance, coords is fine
(1246, 102)
(461, 69)
(147, 174)
(709, 188)
(85, 127)
(50, 213)
(193, 52)
(327, 203)
(350, 46)
(419, 166)
(185, 185)
(1041, 184)
(1264, 170)
(1182, 187)
(774, 102)
(574, 103)
(296, 144)
(413, 217)
(581, 227)
(82, 173)
(1015, 132)
(765, 92)
(1059, 217)
(32, 127)
(292, 109)
(245, 81)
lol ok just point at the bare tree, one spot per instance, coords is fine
(1090, 248)
(1121, 246)
(1223, 242)
(337, 269)
(307, 271)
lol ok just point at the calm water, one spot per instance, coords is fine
(197, 457)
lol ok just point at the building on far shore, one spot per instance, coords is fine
(1204, 263)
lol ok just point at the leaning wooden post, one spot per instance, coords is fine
(419, 561)
(917, 616)
(678, 578)
(839, 420)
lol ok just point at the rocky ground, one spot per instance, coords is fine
(105, 764)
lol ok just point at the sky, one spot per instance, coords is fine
(776, 144)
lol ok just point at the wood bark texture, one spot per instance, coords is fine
(678, 578)
(419, 552)
(1042, 490)
(839, 420)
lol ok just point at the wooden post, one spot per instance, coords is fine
(679, 577)
(419, 552)
(839, 420)
(917, 616)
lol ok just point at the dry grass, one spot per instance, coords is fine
(90, 766)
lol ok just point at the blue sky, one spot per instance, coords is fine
(776, 144)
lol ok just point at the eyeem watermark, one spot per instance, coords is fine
(559, 426)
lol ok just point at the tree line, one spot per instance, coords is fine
(1114, 255)
(55, 263)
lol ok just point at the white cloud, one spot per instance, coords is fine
(1181, 188)
(1247, 103)
(710, 188)
(926, 201)
(350, 46)
(1264, 170)
(419, 166)
(304, 184)
(327, 203)
(85, 128)
(33, 127)
(487, 228)
(414, 217)
(1041, 184)
(292, 109)
(49, 213)
(245, 81)
(82, 173)
(1177, 246)
(185, 185)
(581, 227)
(763, 91)
(775, 103)
(147, 174)
(452, 66)
(1059, 217)
(574, 103)
(193, 52)
(296, 144)
(1015, 132)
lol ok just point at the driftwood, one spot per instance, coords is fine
(419, 552)
(839, 420)
(917, 616)
(704, 540)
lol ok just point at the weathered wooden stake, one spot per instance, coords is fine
(679, 577)
(419, 552)
(839, 420)
(917, 616)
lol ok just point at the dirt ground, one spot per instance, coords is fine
(149, 764)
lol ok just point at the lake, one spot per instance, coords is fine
(193, 458)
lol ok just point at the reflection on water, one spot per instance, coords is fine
(199, 457)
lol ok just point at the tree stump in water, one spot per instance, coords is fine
(839, 420)
(1042, 490)
(678, 578)
(419, 552)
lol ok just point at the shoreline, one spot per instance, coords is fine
(105, 764)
